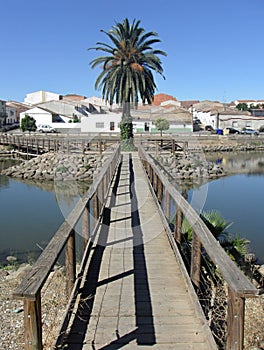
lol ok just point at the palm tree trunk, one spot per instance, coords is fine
(126, 128)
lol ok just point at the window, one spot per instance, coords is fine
(234, 124)
(112, 126)
(248, 124)
(99, 125)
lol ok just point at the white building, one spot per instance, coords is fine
(11, 115)
(96, 123)
(41, 96)
(45, 116)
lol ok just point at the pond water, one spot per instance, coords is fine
(239, 197)
(31, 212)
(240, 200)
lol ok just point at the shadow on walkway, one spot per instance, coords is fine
(144, 332)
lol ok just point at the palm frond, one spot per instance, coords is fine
(127, 70)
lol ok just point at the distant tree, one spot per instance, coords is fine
(162, 124)
(28, 123)
(252, 106)
(242, 107)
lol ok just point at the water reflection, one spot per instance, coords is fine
(30, 214)
(239, 162)
(32, 211)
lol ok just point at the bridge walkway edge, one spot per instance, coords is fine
(133, 293)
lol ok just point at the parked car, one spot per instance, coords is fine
(45, 128)
(233, 131)
(250, 132)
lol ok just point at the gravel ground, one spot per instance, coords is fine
(11, 310)
(54, 305)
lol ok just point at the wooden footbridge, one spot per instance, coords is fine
(137, 290)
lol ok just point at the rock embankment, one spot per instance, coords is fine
(230, 148)
(58, 166)
(189, 166)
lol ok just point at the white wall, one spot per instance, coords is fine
(41, 116)
(205, 117)
(40, 96)
(100, 122)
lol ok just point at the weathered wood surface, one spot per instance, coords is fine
(132, 293)
(235, 278)
(33, 282)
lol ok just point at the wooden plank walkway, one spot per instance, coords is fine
(133, 295)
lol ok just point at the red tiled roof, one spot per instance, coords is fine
(159, 98)
(241, 101)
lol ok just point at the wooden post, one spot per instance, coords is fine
(101, 196)
(167, 206)
(86, 225)
(160, 190)
(148, 170)
(196, 261)
(32, 324)
(27, 148)
(235, 321)
(173, 147)
(105, 185)
(70, 263)
(95, 209)
(178, 225)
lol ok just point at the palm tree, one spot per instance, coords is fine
(127, 69)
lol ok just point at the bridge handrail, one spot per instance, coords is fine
(33, 282)
(239, 286)
(229, 270)
(30, 288)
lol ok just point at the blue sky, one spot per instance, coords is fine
(215, 48)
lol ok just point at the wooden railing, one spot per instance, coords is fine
(238, 285)
(90, 205)
(34, 145)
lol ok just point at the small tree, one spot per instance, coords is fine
(162, 124)
(242, 107)
(28, 123)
